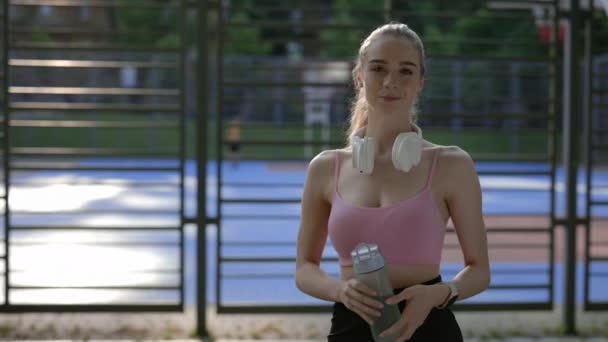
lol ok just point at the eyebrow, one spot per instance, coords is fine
(381, 61)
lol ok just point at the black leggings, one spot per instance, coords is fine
(440, 325)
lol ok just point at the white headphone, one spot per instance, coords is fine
(407, 151)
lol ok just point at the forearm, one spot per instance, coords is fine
(469, 282)
(312, 280)
(472, 280)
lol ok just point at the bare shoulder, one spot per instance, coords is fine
(456, 169)
(320, 171)
(323, 163)
(453, 157)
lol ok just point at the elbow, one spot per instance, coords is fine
(297, 281)
(298, 277)
(487, 278)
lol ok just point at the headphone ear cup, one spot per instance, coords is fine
(363, 154)
(356, 143)
(407, 151)
(368, 155)
(399, 155)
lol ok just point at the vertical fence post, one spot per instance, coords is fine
(6, 146)
(201, 167)
(570, 150)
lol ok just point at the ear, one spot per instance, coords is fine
(420, 86)
(359, 80)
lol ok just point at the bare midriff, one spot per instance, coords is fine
(401, 275)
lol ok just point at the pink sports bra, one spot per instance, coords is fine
(409, 232)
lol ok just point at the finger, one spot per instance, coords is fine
(365, 317)
(394, 299)
(394, 329)
(364, 307)
(356, 309)
(365, 299)
(406, 294)
(361, 287)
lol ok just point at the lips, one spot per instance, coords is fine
(390, 98)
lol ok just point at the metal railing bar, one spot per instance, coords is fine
(262, 185)
(69, 166)
(92, 124)
(260, 275)
(443, 41)
(62, 308)
(600, 259)
(435, 71)
(520, 271)
(88, 152)
(338, 100)
(69, 63)
(519, 286)
(145, 288)
(56, 46)
(260, 243)
(66, 106)
(134, 244)
(98, 211)
(596, 306)
(258, 201)
(235, 83)
(82, 31)
(514, 172)
(95, 3)
(498, 306)
(519, 246)
(305, 8)
(260, 217)
(93, 228)
(518, 230)
(93, 91)
(291, 142)
(264, 259)
(126, 183)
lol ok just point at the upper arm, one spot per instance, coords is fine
(315, 208)
(464, 204)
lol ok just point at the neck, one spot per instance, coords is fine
(385, 133)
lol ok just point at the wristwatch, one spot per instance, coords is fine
(452, 296)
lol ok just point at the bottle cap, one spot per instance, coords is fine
(367, 258)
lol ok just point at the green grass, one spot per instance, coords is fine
(165, 141)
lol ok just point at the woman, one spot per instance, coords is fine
(397, 197)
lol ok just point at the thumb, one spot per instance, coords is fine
(403, 295)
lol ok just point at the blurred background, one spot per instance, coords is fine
(122, 189)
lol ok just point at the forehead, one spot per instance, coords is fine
(392, 50)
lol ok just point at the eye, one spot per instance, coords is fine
(377, 68)
(407, 71)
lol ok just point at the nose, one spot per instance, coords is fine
(389, 80)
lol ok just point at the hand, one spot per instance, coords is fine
(420, 301)
(358, 298)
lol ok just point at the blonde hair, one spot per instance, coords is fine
(359, 107)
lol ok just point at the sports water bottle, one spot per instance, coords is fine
(368, 265)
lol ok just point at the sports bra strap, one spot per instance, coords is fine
(429, 180)
(336, 170)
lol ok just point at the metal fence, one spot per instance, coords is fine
(596, 127)
(76, 74)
